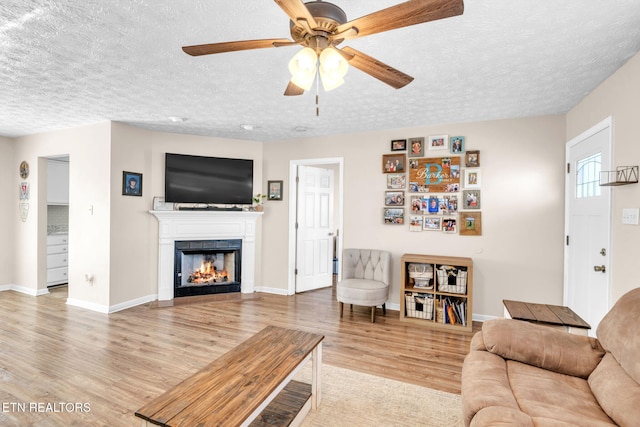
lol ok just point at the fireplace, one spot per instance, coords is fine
(175, 226)
(207, 267)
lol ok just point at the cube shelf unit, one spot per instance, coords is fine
(430, 290)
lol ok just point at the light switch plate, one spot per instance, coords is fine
(630, 216)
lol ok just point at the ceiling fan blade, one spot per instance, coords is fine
(375, 68)
(293, 90)
(296, 10)
(402, 15)
(208, 49)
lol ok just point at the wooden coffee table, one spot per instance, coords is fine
(546, 314)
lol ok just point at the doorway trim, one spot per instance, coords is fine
(293, 209)
(604, 125)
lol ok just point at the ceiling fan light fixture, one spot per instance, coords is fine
(303, 68)
(333, 68)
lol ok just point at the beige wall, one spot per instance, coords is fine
(8, 193)
(519, 255)
(619, 97)
(134, 231)
(88, 150)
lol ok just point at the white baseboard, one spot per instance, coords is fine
(24, 290)
(267, 290)
(100, 308)
(88, 305)
(133, 303)
(482, 317)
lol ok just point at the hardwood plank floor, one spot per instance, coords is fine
(70, 366)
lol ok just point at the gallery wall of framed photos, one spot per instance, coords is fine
(433, 184)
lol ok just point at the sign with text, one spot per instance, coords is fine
(434, 175)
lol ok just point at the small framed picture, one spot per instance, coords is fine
(131, 184)
(392, 163)
(418, 205)
(433, 205)
(275, 190)
(471, 199)
(416, 147)
(472, 178)
(450, 225)
(415, 222)
(457, 144)
(472, 159)
(438, 142)
(393, 215)
(394, 198)
(399, 145)
(396, 181)
(471, 223)
(432, 223)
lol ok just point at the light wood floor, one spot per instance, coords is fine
(53, 353)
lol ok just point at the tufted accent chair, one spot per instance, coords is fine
(365, 279)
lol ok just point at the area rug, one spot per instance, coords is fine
(354, 399)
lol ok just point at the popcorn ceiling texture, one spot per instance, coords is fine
(68, 63)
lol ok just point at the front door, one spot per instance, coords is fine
(314, 256)
(588, 224)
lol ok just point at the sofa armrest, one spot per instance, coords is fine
(541, 346)
(485, 384)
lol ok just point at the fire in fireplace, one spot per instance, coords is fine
(207, 267)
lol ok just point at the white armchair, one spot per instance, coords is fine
(365, 279)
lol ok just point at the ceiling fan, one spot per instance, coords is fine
(319, 27)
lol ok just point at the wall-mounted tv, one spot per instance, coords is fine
(207, 180)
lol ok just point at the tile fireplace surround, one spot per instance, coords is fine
(204, 225)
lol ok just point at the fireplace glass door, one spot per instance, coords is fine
(207, 267)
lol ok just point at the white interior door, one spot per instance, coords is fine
(588, 225)
(314, 255)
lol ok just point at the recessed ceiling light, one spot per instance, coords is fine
(300, 129)
(248, 127)
(177, 119)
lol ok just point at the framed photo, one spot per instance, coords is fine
(433, 205)
(394, 215)
(394, 198)
(471, 223)
(131, 184)
(392, 163)
(472, 159)
(457, 144)
(472, 178)
(450, 225)
(399, 145)
(432, 223)
(396, 181)
(415, 222)
(471, 199)
(275, 190)
(416, 147)
(418, 205)
(439, 142)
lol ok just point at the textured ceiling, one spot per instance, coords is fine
(67, 63)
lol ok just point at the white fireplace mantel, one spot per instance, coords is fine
(204, 225)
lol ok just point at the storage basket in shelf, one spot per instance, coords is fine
(452, 280)
(421, 275)
(419, 305)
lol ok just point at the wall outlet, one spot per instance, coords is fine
(630, 216)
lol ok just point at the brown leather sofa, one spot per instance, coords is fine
(522, 374)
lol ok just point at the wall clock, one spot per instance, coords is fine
(24, 170)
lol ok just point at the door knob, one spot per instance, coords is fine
(599, 268)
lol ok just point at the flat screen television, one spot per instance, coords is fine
(207, 180)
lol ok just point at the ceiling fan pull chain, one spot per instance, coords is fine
(317, 97)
